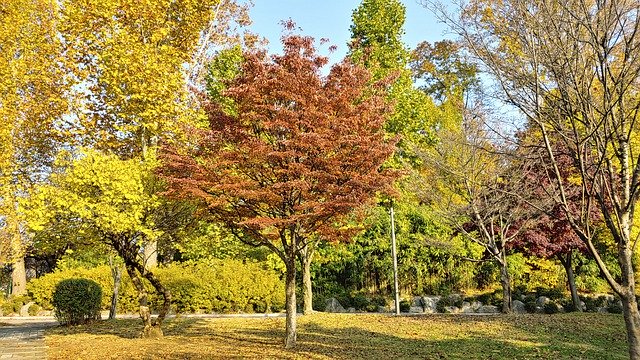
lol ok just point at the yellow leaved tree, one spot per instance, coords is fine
(33, 84)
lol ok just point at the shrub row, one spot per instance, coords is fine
(220, 286)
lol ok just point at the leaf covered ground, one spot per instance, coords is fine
(353, 336)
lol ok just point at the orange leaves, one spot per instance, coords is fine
(301, 151)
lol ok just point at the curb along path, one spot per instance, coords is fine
(23, 340)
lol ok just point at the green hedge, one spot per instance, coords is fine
(220, 286)
(77, 301)
(41, 289)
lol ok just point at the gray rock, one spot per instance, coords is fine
(332, 305)
(416, 309)
(24, 310)
(603, 310)
(351, 310)
(383, 309)
(429, 304)
(488, 309)
(518, 307)
(417, 301)
(451, 310)
(541, 301)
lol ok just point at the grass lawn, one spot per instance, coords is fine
(350, 336)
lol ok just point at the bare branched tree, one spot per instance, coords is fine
(572, 68)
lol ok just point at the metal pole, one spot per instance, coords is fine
(395, 262)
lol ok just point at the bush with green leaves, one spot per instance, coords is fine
(221, 286)
(77, 301)
(13, 304)
(41, 289)
(551, 308)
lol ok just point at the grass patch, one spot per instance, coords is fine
(349, 336)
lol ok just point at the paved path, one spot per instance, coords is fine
(23, 340)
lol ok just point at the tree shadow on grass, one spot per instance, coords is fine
(424, 337)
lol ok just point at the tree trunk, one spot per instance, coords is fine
(505, 281)
(571, 280)
(18, 277)
(116, 272)
(632, 322)
(307, 291)
(136, 270)
(148, 329)
(291, 334)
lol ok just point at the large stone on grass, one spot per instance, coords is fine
(451, 310)
(541, 301)
(24, 310)
(488, 309)
(429, 304)
(332, 305)
(518, 307)
(470, 308)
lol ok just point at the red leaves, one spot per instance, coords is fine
(301, 151)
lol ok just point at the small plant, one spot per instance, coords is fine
(568, 305)
(615, 307)
(551, 308)
(530, 306)
(13, 304)
(77, 301)
(405, 306)
(360, 302)
(34, 309)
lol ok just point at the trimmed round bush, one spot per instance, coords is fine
(77, 301)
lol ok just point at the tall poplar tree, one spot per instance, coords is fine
(33, 86)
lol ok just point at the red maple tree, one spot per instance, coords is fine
(297, 153)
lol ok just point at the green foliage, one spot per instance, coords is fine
(530, 306)
(223, 286)
(226, 65)
(110, 195)
(13, 304)
(551, 308)
(615, 307)
(34, 309)
(216, 286)
(77, 301)
(551, 293)
(405, 305)
(530, 273)
(568, 305)
(41, 289)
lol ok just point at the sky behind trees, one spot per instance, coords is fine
(331, 19)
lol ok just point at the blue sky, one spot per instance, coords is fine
(331, 19)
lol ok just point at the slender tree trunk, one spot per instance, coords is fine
(18, 277)
(306, 257)
(136, 271)
(291, 333)
(571, 280)
(505, 281)
(116, 273)
(628, 296)
(632, 322)
(145, 314)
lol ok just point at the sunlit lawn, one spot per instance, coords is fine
(351, 336)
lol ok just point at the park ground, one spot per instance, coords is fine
(353, 336)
